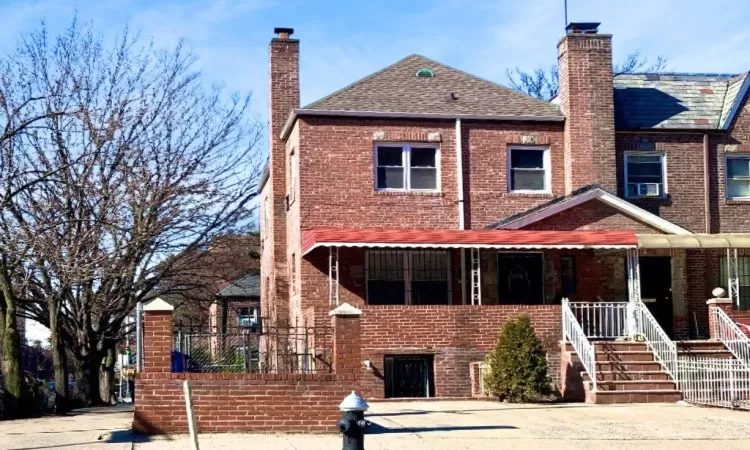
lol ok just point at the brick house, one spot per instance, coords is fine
(441, 204)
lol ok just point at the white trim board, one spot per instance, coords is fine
(603, 196)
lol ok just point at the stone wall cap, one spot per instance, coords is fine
(345, 310)
(157, 305)
(719, 301)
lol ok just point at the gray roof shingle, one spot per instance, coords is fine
(397, 89)
(247, 286)
(675, 101)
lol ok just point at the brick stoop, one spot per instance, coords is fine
(703, 349)
(626, 373)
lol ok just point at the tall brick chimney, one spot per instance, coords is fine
(587, 99)
(283, 98)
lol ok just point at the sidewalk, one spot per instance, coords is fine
(90, 428)
(488, 425)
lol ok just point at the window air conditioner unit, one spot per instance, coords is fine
(648, 189)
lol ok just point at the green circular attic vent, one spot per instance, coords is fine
(425, 73)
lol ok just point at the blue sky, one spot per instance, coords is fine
(342, 41)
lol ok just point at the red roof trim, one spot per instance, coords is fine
(385, 237)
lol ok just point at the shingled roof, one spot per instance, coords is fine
(398, 89)
(678, 101)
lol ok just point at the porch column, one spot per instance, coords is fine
(634, 289)
(733, 275)
(333, 273)
(476, 277)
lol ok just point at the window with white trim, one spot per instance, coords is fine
(404, 167)
(645, 175)
(529, 170)
(738, 177)
(408, 277)
(247, 317)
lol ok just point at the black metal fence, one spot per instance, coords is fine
(257, 349)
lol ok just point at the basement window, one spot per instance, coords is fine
(403, 167)
(738, 177)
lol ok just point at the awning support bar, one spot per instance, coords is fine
(476, 277)
(733, 273)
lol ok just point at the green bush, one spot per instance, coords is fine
(517, 364)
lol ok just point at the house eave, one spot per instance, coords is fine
(289, 125)
(264, 178)
(737, 103)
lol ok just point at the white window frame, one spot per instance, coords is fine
(252, 318)
(546, 161)
(744, 156)
(406, 164)
(665, 189)
(406, 254)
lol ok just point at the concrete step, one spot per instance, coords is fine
(700, 345)
(628, 366)
(636, 396)
(636, 385)
(709, 353)
(634, 375)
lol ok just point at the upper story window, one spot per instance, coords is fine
(529, 170)
(738, 177)
(404, 167)
(645, 175)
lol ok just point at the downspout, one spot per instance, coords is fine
(461, 220)
(706, 184)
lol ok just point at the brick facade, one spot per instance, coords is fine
(333, 159)
(455, 335)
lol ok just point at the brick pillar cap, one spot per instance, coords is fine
(345, 310)
(157, 305)
(719, 301)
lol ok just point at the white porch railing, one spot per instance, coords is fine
(730, 335)
(715, 382)
(573, 332)
(602, 320)
(664, 349)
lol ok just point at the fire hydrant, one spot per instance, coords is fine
(352, 423)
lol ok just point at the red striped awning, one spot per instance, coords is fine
(499, 239)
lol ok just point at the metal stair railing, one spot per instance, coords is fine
(573, 332)
(664, 349)
(730, 335)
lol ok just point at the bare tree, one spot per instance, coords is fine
(153, 163)
(26, 102)
(544, 83)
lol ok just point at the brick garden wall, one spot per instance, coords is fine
(240, 402)
(243, 402)
(455, 335)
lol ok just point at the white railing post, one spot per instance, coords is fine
(602, 320)
(664, 349)
(573, 332)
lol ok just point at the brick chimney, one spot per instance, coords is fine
(587, 99)
(283, 98)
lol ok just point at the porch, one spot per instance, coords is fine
(673, 275)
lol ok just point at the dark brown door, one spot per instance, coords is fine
(656, 288)
(520, 278)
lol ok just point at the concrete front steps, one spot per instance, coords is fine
(626, 373)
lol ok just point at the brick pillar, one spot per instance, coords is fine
(722, 303)
(347, 349)
(157, 336)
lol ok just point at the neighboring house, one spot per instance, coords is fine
(199, 276)
(421, 190)
(237, 305)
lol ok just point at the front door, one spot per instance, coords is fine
(656, 288)
(409, 376)
(520, 278)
